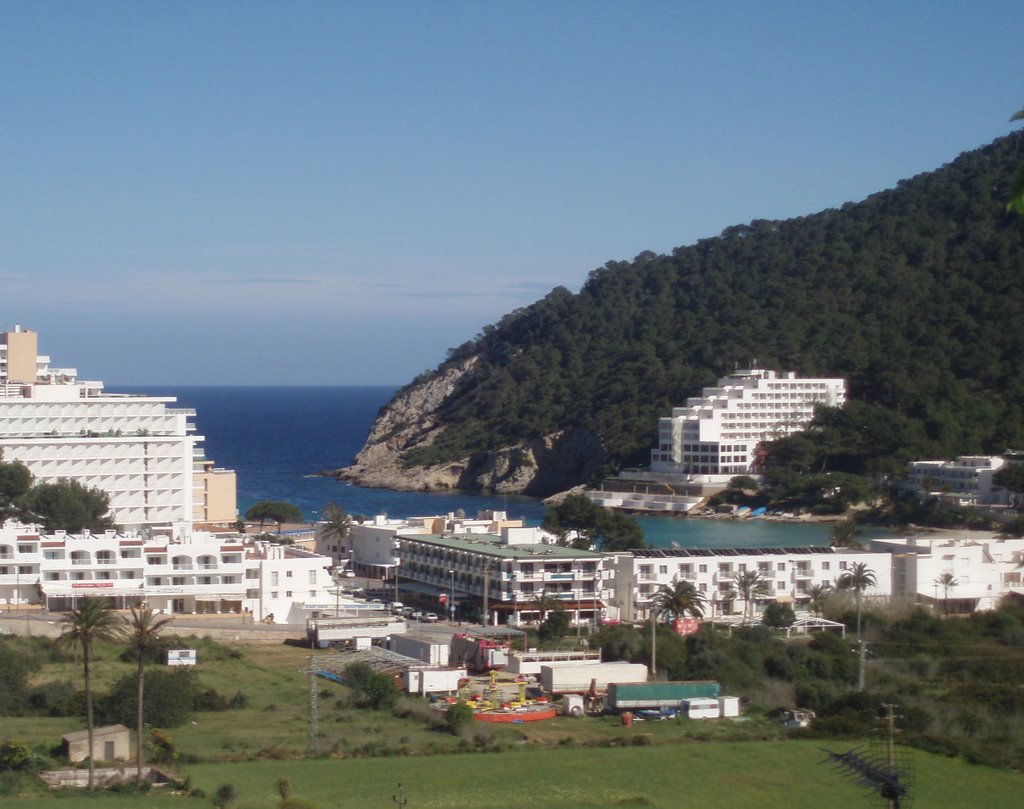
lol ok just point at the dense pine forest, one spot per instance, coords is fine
(914, 295)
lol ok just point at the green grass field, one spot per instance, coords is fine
(762, 774)
(565, 763)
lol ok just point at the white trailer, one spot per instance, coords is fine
(701, 708)
(433, 681)
(577, 679)
(426, 651)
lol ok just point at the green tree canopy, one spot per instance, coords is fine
(581, 523)
(278, 511)
(15, 482)
(914, 295)
(1010, 476)
(68, 505)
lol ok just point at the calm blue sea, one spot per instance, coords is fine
(278, 438)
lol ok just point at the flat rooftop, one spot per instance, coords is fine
(491, 545)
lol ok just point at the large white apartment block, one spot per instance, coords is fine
(175, 570)
(371, 548)
(788, 572)
(957, 574)
(517, 573)
(967, 481)
(138, 449)
(717, 432)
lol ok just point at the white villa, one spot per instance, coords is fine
(966, 481)
(958, 571)
(138, 449)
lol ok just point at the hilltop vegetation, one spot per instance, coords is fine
(914, 295)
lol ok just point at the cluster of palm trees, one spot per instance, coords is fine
(95, 621)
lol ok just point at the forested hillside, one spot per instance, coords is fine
(915, 295)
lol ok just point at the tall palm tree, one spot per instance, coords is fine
(673, 601)
(142, 634)
(679, 599)
(93, 621)
(947, 581)
(337, 522)
(858, 578)
(750, 585)
(818, 595)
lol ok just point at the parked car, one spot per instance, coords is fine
(431, 618)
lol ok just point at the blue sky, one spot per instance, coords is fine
(337, 193)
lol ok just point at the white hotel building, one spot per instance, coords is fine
(717, 432)
(138, 449)
(788, 572)
(179, 571)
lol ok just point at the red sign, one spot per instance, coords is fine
(443, 598)
(92, 584)
(685, 626)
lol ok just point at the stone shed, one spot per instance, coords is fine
(110, 743)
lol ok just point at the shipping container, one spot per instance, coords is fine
(426, 651)
(577, 679)
(631, 696)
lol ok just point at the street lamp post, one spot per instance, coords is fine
(451, 598)
(515, 598)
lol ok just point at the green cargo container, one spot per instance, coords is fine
(623, 696)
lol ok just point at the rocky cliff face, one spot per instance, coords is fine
(539, 467)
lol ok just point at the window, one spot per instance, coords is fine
(273, 579)
(842, 565)
(178, 580)
(312, 577)
(273, 594)
(826, 565)
(703, 568)
(663, 570)
(312, 593)
(703, 588)
(26, 549)
(780, 585)
(781, 566)
(287, 574)
(287, 593)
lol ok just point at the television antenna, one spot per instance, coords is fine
(887, 778)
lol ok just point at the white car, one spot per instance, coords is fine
(431, 618)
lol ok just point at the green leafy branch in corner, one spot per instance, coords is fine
(1016, 202)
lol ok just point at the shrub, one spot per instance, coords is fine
(225, 796)
(457, 717)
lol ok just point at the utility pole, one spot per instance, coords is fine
(487, 580)
(862, 665)
(313, 739)
(890, 723)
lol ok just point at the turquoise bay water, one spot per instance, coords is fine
(278, 438)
